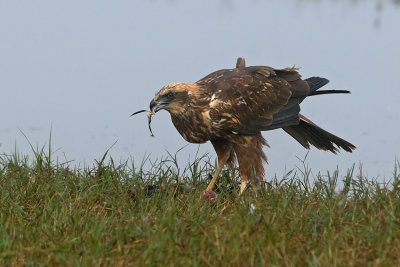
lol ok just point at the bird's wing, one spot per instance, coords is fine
(253, 99)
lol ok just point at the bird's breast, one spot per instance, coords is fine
(194, 125)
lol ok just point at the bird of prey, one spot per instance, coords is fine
(231, 107)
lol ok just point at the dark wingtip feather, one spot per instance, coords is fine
(316, 82)
(323, 92)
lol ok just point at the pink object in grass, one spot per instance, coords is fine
(209, 194)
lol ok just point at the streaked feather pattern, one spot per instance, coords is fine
(231, 107)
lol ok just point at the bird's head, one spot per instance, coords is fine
(172, 97)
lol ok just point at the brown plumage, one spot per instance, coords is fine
(231, 107)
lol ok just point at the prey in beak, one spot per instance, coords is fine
(148, 116)
(162, 100)
(156, 106)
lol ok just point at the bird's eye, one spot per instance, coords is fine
(170, 95)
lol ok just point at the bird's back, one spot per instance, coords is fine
(252, 99)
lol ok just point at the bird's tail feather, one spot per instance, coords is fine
(306, 133)
(323, 92)
(317, 82)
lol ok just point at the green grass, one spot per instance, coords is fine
(120, 214)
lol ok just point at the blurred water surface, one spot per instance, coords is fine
(81, 68)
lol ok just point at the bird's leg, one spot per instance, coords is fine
(243, 186)
(214, 179)
(246, 180)
(256, 183)
(250, 157)
(221, 162)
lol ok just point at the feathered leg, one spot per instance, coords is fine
(225, 155)
(251, 158)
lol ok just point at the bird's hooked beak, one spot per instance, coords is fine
(155, 106)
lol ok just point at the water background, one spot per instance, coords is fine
(80, 68)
